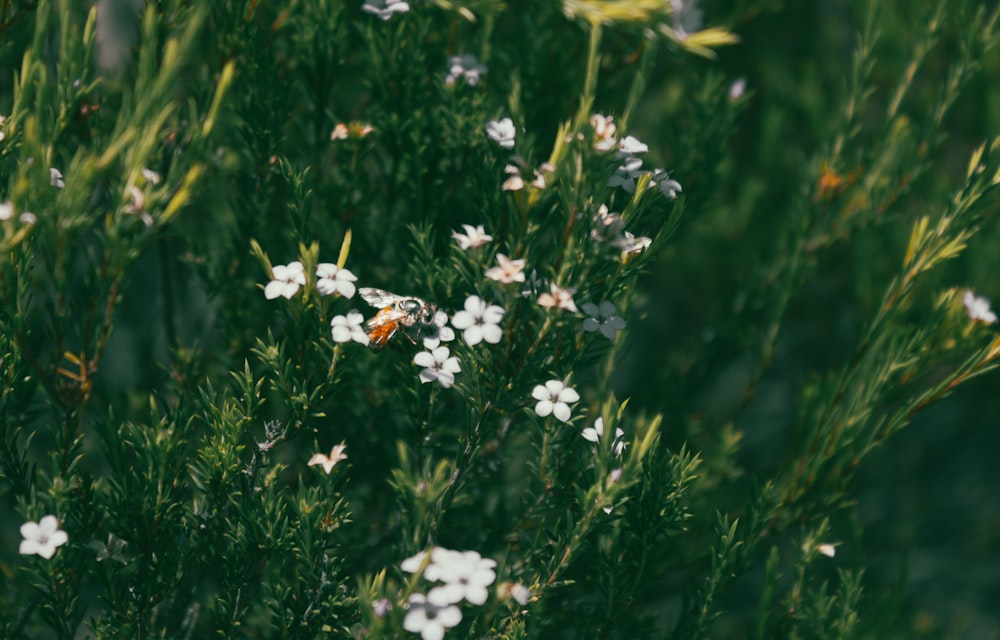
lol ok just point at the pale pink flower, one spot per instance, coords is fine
(558, 298)
(507, 271)
(329, 461)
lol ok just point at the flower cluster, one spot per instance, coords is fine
(978, 308)
(595, 433)
(330, 279)
(630, 169)
(463, 575)
(465, 66)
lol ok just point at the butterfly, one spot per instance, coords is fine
(409, 315)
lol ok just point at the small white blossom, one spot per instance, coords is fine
(42, 537)
(466, 66)
(737, 88)
(602, 319)
(595, 433)
(515, 182)
(479, 321)
(151, 176)
(558, 298)
(110, 551)
(507, 271)
(978, 308)
(607, 224)
(381, 607)
(438, 365)
(27, 218)
(502, 132)
(630, 245)
(520, 593)
(2, 134)
(428, 619)
(539, 182)
(330, 280)
(438, 331)
(56, 178)
(604, 132)
(827, 549)
(6, 211)
(287, 280)
(554, 398)
(329, 461)
(465, 575)
(340, 132)
(385, 9)
(473, 237)
(347, 328)
(668, 186)
(626, 174)
(630, 145)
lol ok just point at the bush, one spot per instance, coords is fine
(599, 399)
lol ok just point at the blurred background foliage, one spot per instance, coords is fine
(700, 350)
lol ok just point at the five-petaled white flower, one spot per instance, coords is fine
(473, 237)
(385, 9)
(428, 619)
(626, 174)
(479, 321)
(42, 537)
(554, 398)
(978, 308)
(329, 461)
(502, 132)
(330, 279)
(465, 575)
(668, 186)
(438, 365)
(558, 298)
(630, 145)
(56, 178)
(604, 132)
(466, 66)
(347, 328)
(630, 245)
(595, 433)
(602, 318)
(507, 271)
(287, 280)
(438, 331)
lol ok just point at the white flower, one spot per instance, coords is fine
(465, 575)
(604, 132)
(473, 237)
(413, 563)
(381, 607)
(56, 178)
(151, 176)
(595, 433)
(27, 218)
(438, 331)
(625, 175)
(466, 66)
(978, 308)
(501, 132)
(539, 181)
(630, 245)
(554, 398)
(2, 134)
(602, 319)
(428, 619)
(520, 593)
(347, 328)
(6, 211)
(630, 146)
(332, 280)
(438, 365)
(515, 182)
(558, 298)
(42, 537)
(110, 551)
(329, 461)
(668, 187)
(827, 549)
(340, 132)
(385, 9)
(479, 321)
(737, 88)
(607, 224)
(287, 280)
(507, 271)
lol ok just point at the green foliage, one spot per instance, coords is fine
(673, 400)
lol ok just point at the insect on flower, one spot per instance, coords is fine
(412, 316)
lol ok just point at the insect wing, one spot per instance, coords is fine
(378, 298)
